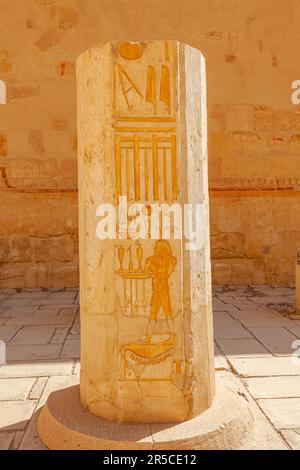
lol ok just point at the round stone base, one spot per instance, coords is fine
(65, 425)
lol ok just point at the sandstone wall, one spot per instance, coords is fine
(252, 51)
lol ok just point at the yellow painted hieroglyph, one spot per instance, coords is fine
(147, 347)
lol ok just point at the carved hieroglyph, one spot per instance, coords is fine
(146, 337)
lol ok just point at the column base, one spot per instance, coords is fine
(65, 425)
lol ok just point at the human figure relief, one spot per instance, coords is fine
(159, 267)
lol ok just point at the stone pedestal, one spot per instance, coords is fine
(145, 288)
(227, 424)
(147, 343)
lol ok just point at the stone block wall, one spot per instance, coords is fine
(255, 186)
(252, 51)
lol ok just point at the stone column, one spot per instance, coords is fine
(146, 319)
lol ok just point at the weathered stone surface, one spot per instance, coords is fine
(41, 320)
(274, 387)
(27, 351)
(37, 369)
(264, 366)
(284, 413)
(7, 332)
(257, 318)
(295, 330)
(59, 336)
(242, 348)
(177, 351)
(58, 383)
(31, 440)
(18, 312)
(15, 414)
(292, 436)
(71, 349)
(15, 389)
(233, 331)
(6, 439)
(38, 388)
(267, 335)
(33, 335)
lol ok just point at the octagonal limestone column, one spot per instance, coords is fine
(146, 319)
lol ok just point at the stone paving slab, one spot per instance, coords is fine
(63, 295)
(269, 300)
(273, 335)
(295, 330)
(37, 388)
(32, 294)
(47, 310)
(230, 332)
(223, 319)
(248, 347)
(19, 312)
(68, 311)
(263, 436)
(6, 439)
(218, 305)
(55, 320)
(71, 349)
(292, 436)
(264, 366)
(31, 440)
(57, 383)
(15, 414)
(37, 369)
(284, 413)
(7, 332)
(66, 301)
(33, 335)
(280, 349)
(18, 303)
(59, 335)
(30, 352)
(274, 387)
(15, 389)
(257, 319)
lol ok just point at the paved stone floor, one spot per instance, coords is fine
(256, 338)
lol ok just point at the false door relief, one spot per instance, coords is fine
(154, 367)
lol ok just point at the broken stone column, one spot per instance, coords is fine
(145, 290)
(147, 342)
